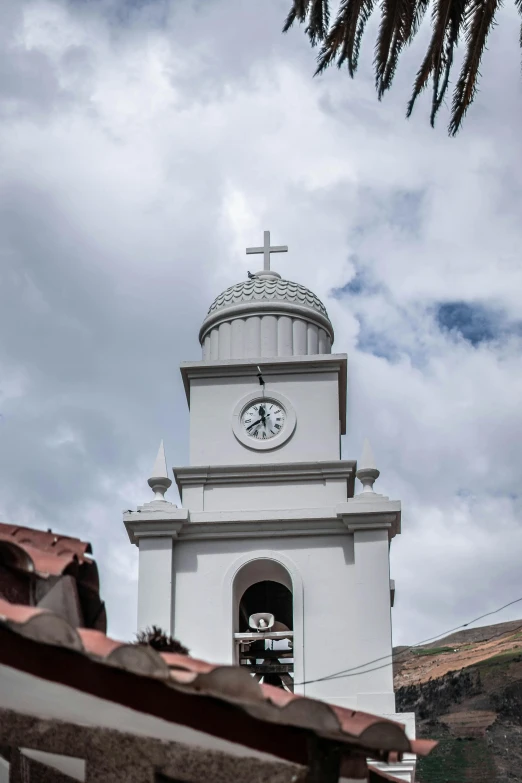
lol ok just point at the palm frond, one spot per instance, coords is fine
(364, 17)
(439, 91)
(316, 12)
(480, 18)
(447, 23)
(414, 17)
(393, 34)
(421, 80)
(344, 37)
(290, 19)
(451, 38)
(319, 20)
(400, 22)
(298, 11)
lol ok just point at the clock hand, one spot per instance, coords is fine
(254, 424)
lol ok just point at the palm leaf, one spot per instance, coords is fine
(344, 37)
(443, 65)
(395, 28)
(316, 12)
(290, 19)
(480, 18)
(447, 22)
(400, 21)
(319, 19)
(298, 11)
(416, 12)
(364, 17)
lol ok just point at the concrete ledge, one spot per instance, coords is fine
(154, 525)
(196, 475)
(374, 513)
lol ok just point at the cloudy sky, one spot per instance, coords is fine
(143, 146)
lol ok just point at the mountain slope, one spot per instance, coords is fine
(467, 692)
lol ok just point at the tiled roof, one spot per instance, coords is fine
(266, 289)
(46, 554)
(223, 701)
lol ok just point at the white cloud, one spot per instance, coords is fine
(140, 154)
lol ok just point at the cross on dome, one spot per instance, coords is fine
(266, 250)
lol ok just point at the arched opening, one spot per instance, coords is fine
(267, 596)
(264, 588)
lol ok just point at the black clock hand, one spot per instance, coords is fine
(254, 424)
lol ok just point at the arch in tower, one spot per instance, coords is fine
(274, 580)
(262, 585)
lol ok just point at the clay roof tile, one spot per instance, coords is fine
(47, 543)
(360, 732)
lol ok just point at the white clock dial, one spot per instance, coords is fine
(263, 419)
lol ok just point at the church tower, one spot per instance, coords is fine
(274, 560)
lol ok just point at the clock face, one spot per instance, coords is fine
(263, 419)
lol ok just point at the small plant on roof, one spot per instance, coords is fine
(159, 640)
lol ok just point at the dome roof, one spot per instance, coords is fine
(267, 289)
(266, 316)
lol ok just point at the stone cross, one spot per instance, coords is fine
(266, 250)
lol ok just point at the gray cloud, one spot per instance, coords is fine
(147, 144)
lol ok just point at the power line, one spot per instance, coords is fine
(382, 666)
(352, 672)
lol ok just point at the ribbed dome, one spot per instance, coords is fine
(266, 317)
(267, 289)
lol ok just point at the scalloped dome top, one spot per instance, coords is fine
(265, 316)
(267, 289)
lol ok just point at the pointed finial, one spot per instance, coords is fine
(159, 482)
(367, 472)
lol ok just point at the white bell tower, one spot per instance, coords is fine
(270, 525)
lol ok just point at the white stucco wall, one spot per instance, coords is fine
(372, 575)
(155, 583)
(266, 495)
(314, 396)
(327, 595)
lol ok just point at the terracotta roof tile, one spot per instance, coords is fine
(96, 642)
(46, 553)
(178, 661)
(46, 540)
(17, 613)
(180, 677)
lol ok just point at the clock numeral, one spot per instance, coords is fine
(278, 410)
(264, 434)
(247, 421)
(272, 432)
(256, 434)
(256, 407)
(278, 418)
(277, 426)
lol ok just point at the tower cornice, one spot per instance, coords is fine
(272, 367)
(271, 472)
(345, 518)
